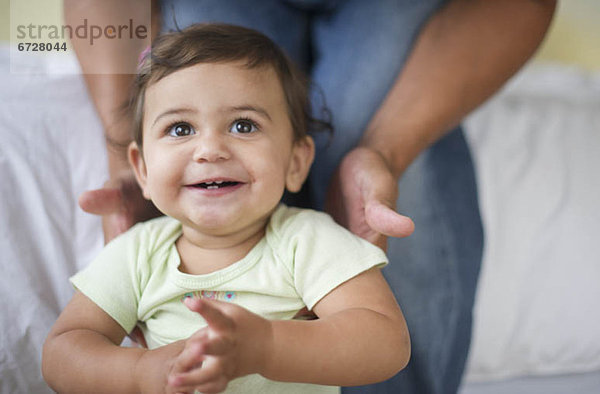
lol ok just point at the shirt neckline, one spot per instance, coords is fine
(217, 277)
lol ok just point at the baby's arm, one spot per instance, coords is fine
(359, 338)
(82, 354)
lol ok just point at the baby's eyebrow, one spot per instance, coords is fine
(174, 111)
(253, 108)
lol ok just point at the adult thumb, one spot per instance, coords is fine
(102, 202)
(386, 221)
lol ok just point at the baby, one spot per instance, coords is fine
(220, 133)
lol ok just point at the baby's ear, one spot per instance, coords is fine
(136, 159)
(303, 153)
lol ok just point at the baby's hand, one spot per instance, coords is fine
(234, 344)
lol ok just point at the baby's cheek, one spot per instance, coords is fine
(276, 178)
(162, 187)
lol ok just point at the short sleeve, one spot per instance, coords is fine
(111, 280)
(324, 254)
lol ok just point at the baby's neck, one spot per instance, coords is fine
(202, 254)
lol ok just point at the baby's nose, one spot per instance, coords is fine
(210, 148)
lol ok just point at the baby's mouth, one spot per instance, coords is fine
(216, 184)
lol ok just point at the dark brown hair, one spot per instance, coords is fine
(221, 43)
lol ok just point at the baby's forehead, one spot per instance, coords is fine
(213, 86)
(231, 74)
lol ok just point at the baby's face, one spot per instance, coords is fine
(218, 147)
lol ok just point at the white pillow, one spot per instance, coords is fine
(537, 151)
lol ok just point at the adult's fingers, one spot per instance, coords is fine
(386, 221)
(102, 202)
(137, 336)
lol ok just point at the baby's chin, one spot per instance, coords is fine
(219, 223)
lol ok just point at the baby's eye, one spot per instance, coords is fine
(243, 126)
(181, 130)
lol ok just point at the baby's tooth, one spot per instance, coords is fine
(212, 187)
(218, 182)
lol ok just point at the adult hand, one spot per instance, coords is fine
(362, 197)
(120, 203)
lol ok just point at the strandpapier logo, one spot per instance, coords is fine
(49, 36)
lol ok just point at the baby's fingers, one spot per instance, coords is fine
(216, 319)
(192, 355)
(212, 377)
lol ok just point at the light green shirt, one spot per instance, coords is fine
(302, 257)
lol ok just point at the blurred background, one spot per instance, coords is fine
(536, 147)
(573, 38)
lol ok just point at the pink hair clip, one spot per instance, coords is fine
(143, 55)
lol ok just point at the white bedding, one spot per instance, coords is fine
(50, 151)
(537, 162)
(537, 153)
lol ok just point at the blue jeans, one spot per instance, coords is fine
(353, 50)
